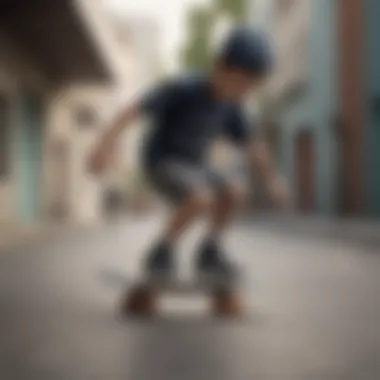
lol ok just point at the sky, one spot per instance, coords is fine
(170, 16)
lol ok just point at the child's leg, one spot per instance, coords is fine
(226, 204)
(160, 257)
(187, 190)
(211, 258)
(185, 212)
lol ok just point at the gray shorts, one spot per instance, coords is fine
(175, 180)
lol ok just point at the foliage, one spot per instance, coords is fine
(197, 52)
(236, 9)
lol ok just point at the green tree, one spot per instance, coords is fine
(236, 9)
(196, 53)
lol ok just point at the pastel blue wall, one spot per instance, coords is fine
(372, 33)
(29, 143)
(316, 107)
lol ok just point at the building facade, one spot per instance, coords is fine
(302, 99)
(323, 99)
(38, 57)
(76, 119)
(371, 27)
(79, 117)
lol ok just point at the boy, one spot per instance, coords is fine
(188, 114)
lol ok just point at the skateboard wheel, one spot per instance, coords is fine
(227, 304)
(140, 301)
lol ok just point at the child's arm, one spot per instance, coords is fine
(103, 150)
(240, 131)
(151, 103)
(262, 162)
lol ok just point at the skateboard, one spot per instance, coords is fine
(141, 296)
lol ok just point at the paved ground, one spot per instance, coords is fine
(364, 233)
(315, 313)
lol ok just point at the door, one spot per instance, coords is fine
(30, 153)
(305, 171)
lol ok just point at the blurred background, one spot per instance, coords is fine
(67, 66)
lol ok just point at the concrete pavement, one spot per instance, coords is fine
(361, 232)
(315, 312)
(14, 236)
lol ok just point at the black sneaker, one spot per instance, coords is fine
(213, 264)
(159, 263)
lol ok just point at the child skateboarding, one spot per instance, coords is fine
(187, 114)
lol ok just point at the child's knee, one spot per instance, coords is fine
(235, 195)
(202, 199)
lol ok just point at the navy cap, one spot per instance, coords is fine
(247, 49)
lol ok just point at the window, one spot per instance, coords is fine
(4, 136)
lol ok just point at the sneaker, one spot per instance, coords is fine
(213, 264)
(159, 263)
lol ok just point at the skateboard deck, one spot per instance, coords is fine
(175, 284)
(141, 294)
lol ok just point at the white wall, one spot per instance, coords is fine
(103, 35)
(82, 190)
(142, 35)
(262, 13)
(130, 45)
(289, 31)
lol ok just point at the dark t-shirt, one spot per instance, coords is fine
(186, 119)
